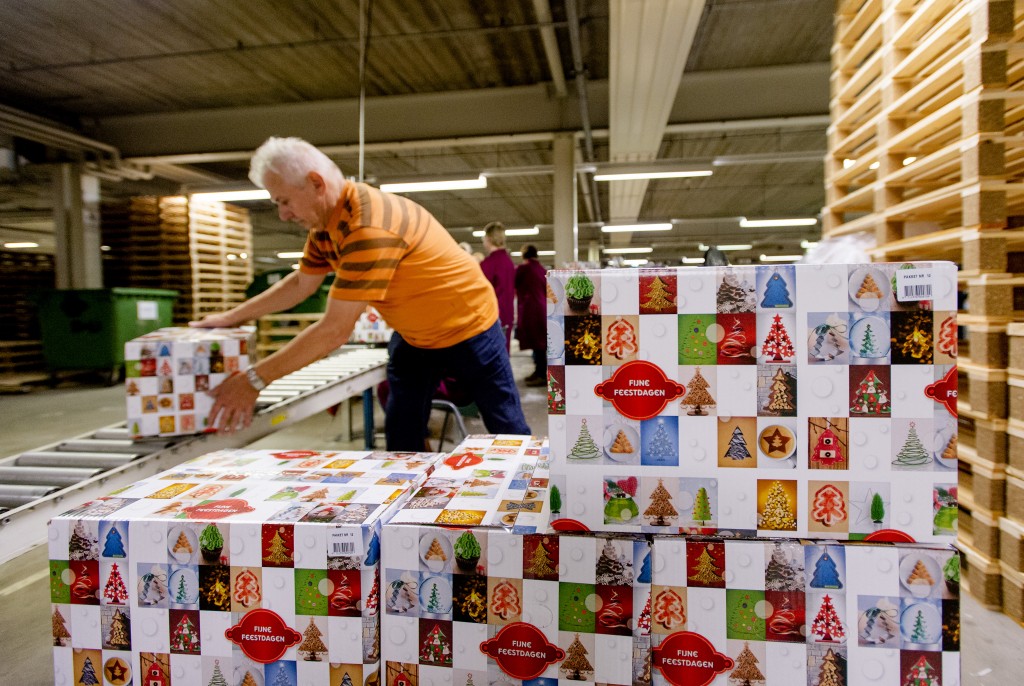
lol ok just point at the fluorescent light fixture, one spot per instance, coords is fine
(635, 176)
(290, 255)
(780, 258)
(540, 253)
(479, 181)
(765, 223)
(692, 260)
(532, 231)
(627, 251)
(807, 245)
(21, 244)
(105, 248)
(228, 196)
(635, 263)
(909, 160)
(737, 246)
(629, 228)
(295, 266)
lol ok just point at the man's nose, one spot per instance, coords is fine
(283, 213)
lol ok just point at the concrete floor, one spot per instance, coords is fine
(991, 642)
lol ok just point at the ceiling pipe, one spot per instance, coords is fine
(581, 91)
(542, 8)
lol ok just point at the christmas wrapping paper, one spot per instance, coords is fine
(807, 400)
(258, 568)
(169, 371)
(370, 328)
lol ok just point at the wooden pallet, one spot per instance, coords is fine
(274, 331)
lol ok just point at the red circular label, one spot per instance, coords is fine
(945, 390)
(890, 536)
(522, 650)
(295, 454)
(569, 525)
(218, 509)
(689, 659)
(460, 460)
(263, 636)
(639, 390)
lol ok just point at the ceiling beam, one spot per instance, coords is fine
(783, 91)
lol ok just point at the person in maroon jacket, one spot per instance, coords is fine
(501, 272)
(531, 303)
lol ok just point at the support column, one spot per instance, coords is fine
(76, 223)
(564, 192)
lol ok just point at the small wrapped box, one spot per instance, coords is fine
(169, 371)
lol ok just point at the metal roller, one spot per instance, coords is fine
(91, 445)
(113, 434)
(57, 458)
(12, 495)
(46, 476)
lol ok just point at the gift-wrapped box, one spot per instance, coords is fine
(169, 371)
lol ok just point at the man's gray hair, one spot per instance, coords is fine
(291, 159)
(495, 232)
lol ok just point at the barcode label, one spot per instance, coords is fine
(913, 284)
(344, 542)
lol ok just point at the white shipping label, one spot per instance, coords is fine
(147, 310)
(345, 541)
(913, 284)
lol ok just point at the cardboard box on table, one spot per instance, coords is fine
(627, 609)
(241, 567)
(169, 371)
(810, 400)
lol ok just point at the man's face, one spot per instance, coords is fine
(300, 204)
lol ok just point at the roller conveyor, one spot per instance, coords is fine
(38, 484)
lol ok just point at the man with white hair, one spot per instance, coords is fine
(387, 251)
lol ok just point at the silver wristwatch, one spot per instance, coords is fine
(255, 380)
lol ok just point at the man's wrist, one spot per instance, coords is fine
(255, 380)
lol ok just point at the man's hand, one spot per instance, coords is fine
(220, 320)
(234, 401)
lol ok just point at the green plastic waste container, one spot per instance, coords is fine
(314, 303)
(87, 328)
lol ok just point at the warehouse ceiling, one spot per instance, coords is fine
(162, 96)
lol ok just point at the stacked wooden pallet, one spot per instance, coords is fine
(273, 331)
(21, 352)
(202, 249)
(926, 152)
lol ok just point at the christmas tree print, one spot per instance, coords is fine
(829, 339)
(217, 678)
(576, 667)
(831, 673)
(185, 636)
(919, 634)
(694, 345)
(868, 347)
(786, 623)
(780, 394)
(181, 594)
(826, 624)
(913, 452)
(120, 632)
(113, 546)
(701, 506)
(585, 448)
(706, 572)
(645, 570)
(247, 589)
(612, 617)
(434, 602)
(660, 512)
(668, 611)
(697, 396)
(735, 345)
(248, 679)
(59, 629)
(182, 545)
(541, 562)
(746, 672)
(308, 598)
(346, 680)
(868, 288)
(342, 598)
(778, 512)
(612, 570)
(828, 507)
(662, 446)
(88, 676)
(879, 625)
(620, 340)
(114, 591)
(505, 602)
(921, 674)
(871, 397)
(782, 573)
(912, 337)
(82, 545)
(277, 552)
(555, 499)
(737, 449)
(776, 293)
(556, 396)
(826, 574)
(828, 449)
(734, 296)
(644, 621)
(573, 613)
(312, 645)
(877, 509)
(319, 494)
(657, 298)
(777, 346)
(947, 341)
(436, 648)
(743, 621)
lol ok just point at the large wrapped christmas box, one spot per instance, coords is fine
(169, 371)
(370, 328)
(244, 567)
(797, 401)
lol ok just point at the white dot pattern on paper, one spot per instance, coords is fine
(872, 669)
(397, 635)
(822, 387)
(150, 627)
(904, 519)
(884, 566)
(658, 330)
(833, 281)
(708, 604)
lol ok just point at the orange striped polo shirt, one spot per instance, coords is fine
(389, 251)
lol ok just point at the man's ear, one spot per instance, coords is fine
(317, 181)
